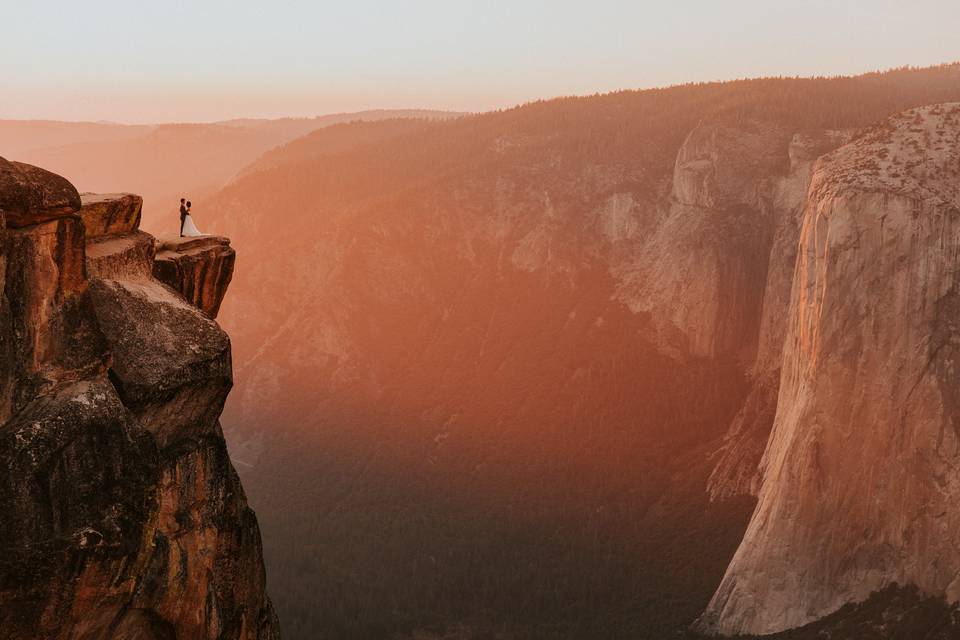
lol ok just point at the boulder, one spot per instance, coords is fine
(171, 363)
(110, 213)
(30, 195)
(126, 256)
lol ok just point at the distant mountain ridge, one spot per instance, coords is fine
(18, 136)
(163, 162)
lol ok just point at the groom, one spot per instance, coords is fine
(183, 214)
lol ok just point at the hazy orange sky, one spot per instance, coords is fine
(216, 59)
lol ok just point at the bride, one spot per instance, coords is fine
(189, 229)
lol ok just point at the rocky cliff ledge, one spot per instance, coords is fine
(199, 268)
(123, 515)
(861, 475)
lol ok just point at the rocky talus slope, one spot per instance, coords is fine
(860, 475)
(123, 516)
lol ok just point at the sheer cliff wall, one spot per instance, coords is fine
(858, 483)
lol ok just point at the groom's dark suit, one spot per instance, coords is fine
(183, 216)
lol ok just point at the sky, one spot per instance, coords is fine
(174, 61)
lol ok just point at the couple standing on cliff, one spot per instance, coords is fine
(187, 228)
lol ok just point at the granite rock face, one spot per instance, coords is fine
(29, 195)
(55, 336)
(715, 275)
(860, 476)
(127, 256)
(171, 364)
(736, 467)
(125, 518)
(110, 214)
(701, 275)
(199, 268)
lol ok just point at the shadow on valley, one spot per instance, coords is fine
(500, 485)
(552, 537)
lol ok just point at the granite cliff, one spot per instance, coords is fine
(124, 517)
(715, 274)
(858, 486)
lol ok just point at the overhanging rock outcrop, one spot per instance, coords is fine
(199, 268)
(125, 517)
(30, 195)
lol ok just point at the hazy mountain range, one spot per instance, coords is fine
(162, 162)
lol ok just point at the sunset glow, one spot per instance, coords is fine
(220, 59)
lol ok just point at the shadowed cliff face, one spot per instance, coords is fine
(124, 516)
(701, 275)
(859, 484)
(783, 195)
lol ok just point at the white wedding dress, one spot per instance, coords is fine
(189, 229)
